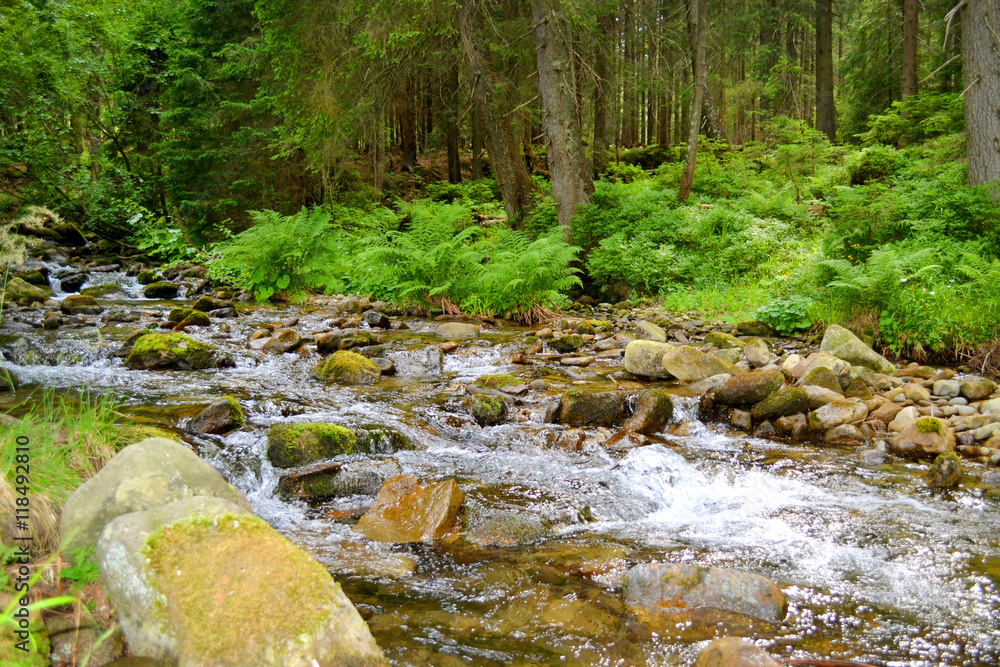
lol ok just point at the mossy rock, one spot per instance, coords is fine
(377, 439)
(348, 368)
(822, 377)
(34, 278)
(294, 445)
(505, 528)
(345, 339)
(188, 316)
(749, 388)
(487, 410)
(195, 584)
(654, 409)
(569, 343)
(139, 432)
(147, 277)
(858, 389)
(80, 304)
(756, 328)
(8, 381)
(783, 402)
(160, 290)
(209, 303)
(496, 381)
(946, 471)
(724, 341)
(156, 351)
(18, 289)
(101, 291)
(586, 328)
(582, 407)
(220, 417)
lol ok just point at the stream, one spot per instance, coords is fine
(877, 566)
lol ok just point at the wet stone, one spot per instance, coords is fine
(220, 417)
(407, 511)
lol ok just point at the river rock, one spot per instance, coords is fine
(910, 392)
(947, 388)
(374, 318)
(844, 411)
(903, 418)
(724, 341)
(735, 652)
(570, 343)
(489, 527)
(457, 330)
(653, 410)
(348, 368)
(294, 445)
(675, 588)
(690, 365)
(487, 410)
(648, 331)
(220, 417)
(187, 316)
(187, 581)
(345, 339)
(820, 396)
(8, 381)
(72, 282)
(990, 407)
(976, 389)
(407, 511)
(17, 289)
(756, 328)
(336, 479)
(730, 355)
(844, 434)
(794, 426)
(645, 358)
(840, 368)
(886, 412)
(584, 407)
(160, 289)
(749, 388)
(207, 304)
(157, 351)
(147, 474)
(783, 402)
(757, 352)
(102, 291)
(927, 436)
(283, 340)
(843, 344)
(946, 471)
(821, 377)
(78, 304)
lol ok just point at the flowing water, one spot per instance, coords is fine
(876, 566)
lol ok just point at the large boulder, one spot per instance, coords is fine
(156, 351)
(221, 416)
(188, 581)
(407, 511)
(978, 388)
(344, 339)
(843, 344)
(749, 388)
(17, 289)
(457, 330)
(648, 331)
(846, 411)
(583, 407)
(735, 652)
(724, 341)
(160, 290)
(674, 589)
(652, 412)
(784, 402)
(348, 368)
(925, 437)
(690, 365)
(645, 358)
(294, 445)
(147, 474)
(79, 304)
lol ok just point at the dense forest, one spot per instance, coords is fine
(801, 161)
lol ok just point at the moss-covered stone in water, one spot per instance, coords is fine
(292, 445)
(349, 368)
(928, 425)
(175, 350)
(487, 410)
(946, 471)
(33, 278)
(496, 381)
(586, 328)
(147, 277)
(100, 291)
(160, 290)
(189, 316)
(569, 343)
(236, 592)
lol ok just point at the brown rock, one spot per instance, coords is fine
(407, 511)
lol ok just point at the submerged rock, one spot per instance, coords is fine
(843, 344)
(220, 417)
(348, 368)
(188, 580)
(345, 339)
(147, 474)
(735, 652)
(101, 291)
(156, 351)
(502, 528)
(407, 511)
(334, 479)
(293, 445)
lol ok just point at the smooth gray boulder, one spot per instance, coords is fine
(201, 582)
(648, 331)
(843, 344)
(690, 365)
(645, 358)
(150, 473)
(457, 330)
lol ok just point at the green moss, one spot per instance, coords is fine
(496, 381)
(928, 425)
(586, 328)
(291, 445)
(283, 592)
(189, 315)
(131, 433)
(567, 343)
(235, 411)
(147, 277)
(159, 350)
(100, 291)
(349, 368)
(487, 410)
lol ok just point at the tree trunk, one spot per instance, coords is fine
(697, 25)
(603, 92)
(450, 117)
(981, 56)
(378, 170)
(477, 145)
(909, 83)
(408, 128)
(504, 150)
(572, 184)
(826, 114)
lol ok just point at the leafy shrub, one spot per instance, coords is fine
(787, 315)
(283, 252)
(916, 118)
(874, 163)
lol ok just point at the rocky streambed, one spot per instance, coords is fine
(536, 483)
